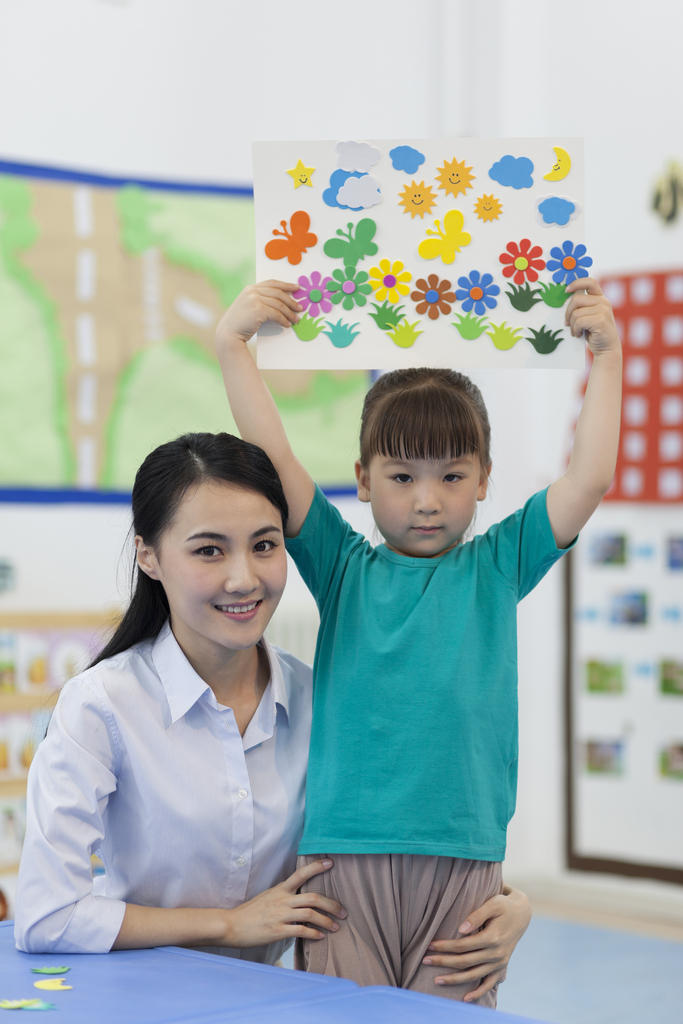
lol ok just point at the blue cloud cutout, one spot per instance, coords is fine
(555, 210)
(513, 171)
(337, 179)
(405, 158)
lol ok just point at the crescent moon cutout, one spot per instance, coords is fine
(560, 169)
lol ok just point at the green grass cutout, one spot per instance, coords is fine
(504, 337)
(387, 316)
(470, 327)
(307, 329)
(545, 341)
(523, 297)
(554, 295)
(341, 334)
(405, 334)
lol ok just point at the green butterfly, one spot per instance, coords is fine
(352, 249)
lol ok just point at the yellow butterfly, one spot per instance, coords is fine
(445, 244)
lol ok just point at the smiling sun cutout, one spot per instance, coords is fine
(455, 177)
(301, 175)
(417, 199)
(488, 208)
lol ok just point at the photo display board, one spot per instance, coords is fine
(449, 252)
(625, 612)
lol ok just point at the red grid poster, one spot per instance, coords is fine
(649, 313)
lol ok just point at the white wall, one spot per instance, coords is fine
(174, 88)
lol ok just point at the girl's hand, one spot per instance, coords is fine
(281, 913)
(484, 955)
(591, 312)
(269, 300)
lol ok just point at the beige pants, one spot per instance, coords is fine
(396, 905)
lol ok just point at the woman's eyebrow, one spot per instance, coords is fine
(207, 535)
(266, 529)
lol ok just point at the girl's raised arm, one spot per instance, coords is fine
(573, 498)
(252, 405)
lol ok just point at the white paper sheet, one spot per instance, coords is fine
(398, 236)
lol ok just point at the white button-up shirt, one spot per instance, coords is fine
(144, 768)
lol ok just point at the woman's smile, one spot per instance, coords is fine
(240, 612)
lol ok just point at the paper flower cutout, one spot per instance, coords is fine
(388, 280)
(359, 192)
(522, 261)
(448, 242)
(556, 210)
(313, 294)
(515, 172)
(476, 292)
(356, 156)
(455, 177)
(337, 180)
(349, 288)
(417, 199)
(568, 263)
(433, 296)
(341, 335)
(405, 158)
(295, 244)
(488, 208)
(301, 175)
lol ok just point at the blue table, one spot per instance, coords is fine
(180, 986)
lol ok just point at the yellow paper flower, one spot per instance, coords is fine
(388, 281)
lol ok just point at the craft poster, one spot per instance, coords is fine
(449, 252)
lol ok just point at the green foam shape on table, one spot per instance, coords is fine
(18, 1004)
(38, 1004)
(50, 970)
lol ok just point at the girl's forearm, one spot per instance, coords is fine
(596, 442)
(143, 927)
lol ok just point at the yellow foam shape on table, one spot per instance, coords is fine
(52, 984)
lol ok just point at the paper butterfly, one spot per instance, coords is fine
(352, 249)
(294, 245)
(447, 242)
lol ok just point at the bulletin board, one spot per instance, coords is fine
(624, 688)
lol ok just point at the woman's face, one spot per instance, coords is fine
(222, 564)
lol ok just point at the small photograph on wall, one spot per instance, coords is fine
(629, 609)
(671, 677)
(609, 549)
(604, 676)
(671, 761)
(605, 757)
(674, 553)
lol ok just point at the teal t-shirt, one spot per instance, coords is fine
(414, 737)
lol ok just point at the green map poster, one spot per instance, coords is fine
(110, 292)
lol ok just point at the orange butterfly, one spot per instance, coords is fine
(294, 245)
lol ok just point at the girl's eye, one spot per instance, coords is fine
(265, 545)
(403, 478)
(451, 477)
(210, 551)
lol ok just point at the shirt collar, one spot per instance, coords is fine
(183, 687)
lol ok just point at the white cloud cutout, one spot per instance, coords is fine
(357, 192)
(356, 156)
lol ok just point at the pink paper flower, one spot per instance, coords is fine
(313, 295)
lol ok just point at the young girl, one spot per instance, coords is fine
(415, 674)
(180, 755)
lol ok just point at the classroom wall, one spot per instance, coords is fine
(176, 89)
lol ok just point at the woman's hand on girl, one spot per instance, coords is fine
(268, 300)
(483, 955)
(282, 913)
(589, 312)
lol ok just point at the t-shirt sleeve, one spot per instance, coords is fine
(70, 781)
(324, 544)
(523, 546)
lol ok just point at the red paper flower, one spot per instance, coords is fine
(522, 261)
(433, 296)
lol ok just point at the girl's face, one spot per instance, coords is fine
(222, 564)
(422, 507)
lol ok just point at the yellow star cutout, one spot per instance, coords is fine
(301, 175)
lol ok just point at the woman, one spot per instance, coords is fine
(179, 756)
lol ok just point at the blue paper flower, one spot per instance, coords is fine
(477, 291)
(569, 262)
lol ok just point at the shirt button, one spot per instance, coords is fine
(241, 862)
(242, 793)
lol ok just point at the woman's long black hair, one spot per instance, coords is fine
(160, 485)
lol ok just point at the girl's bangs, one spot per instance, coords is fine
(422, 423)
